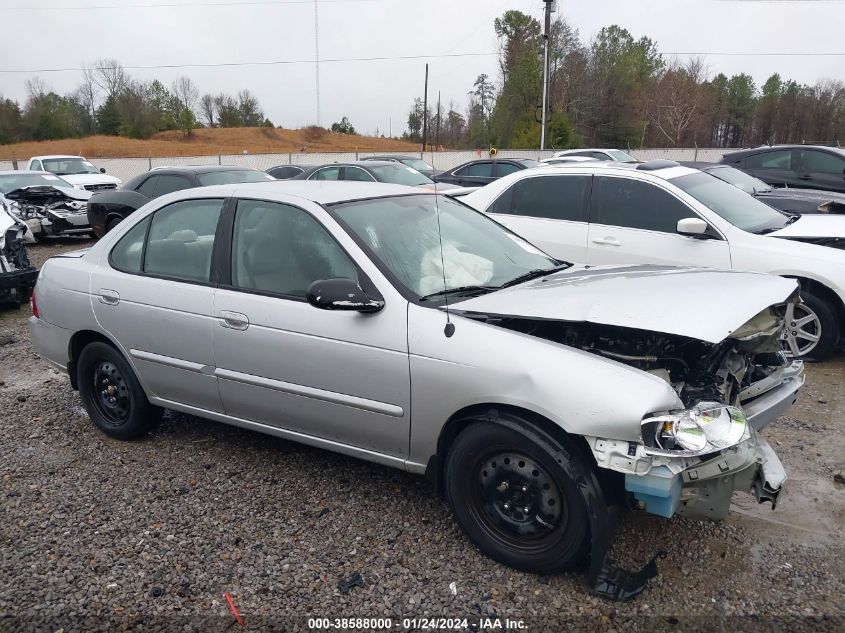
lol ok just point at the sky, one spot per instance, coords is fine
(41, 35)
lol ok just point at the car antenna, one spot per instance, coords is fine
(449, 330)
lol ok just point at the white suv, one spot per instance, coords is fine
(78, 171)
(662, 213)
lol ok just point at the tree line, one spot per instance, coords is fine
(618, 91)
(109, 101)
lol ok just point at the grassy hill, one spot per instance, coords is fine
(208, 141)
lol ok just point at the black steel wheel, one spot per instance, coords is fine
(515, 500)
(112, 395)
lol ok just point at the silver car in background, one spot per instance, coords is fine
(405, 328)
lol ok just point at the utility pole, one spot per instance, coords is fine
(425, 111)
(317, 57)
(437, 134)
(548, 27)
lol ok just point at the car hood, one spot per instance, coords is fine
(809, 226)
(91, 179)
(699, 303)
(46, 194)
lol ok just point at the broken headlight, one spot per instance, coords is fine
(706, 428)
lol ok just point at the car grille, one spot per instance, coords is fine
(100, 187)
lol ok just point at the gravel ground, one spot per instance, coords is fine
(102, 534)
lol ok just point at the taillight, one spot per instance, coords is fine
(33, 303)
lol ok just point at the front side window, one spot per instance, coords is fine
(357, 174)
(816, 162)
(169, 184)
(552, 197)
(282, 250)
(639, 205)
(36, 165)
(780, 159)
(127, 253)
(465, 246)
(181, 240)
(479, 170)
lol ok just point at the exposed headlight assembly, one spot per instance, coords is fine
(706, 428)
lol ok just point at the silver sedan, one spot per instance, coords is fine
(405, 328)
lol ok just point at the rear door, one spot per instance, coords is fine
(822, 170)
(475, 175)
(549, 211)
(336, 375)
(635, 222)
(153, 293)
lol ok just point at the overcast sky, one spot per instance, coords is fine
(49, 34)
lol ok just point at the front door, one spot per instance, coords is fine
(336, 375)
(635, 222)
(822, 170)
(153, 294)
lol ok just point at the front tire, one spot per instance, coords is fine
(112, 395)
(515, 501)
(812, 330)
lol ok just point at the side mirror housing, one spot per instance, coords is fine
(102, 170)
(693, 227)
(342, 294)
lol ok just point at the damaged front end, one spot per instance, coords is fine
(17, 275)
(49, 210)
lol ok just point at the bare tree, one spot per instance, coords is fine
(678, 99)
(186, 93)
(208, 109)
(36, 87)
(86, 95)
(110, 75)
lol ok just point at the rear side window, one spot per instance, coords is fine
(503, 169)
(781, 159)
(127, 253)
(479, 170)
(283, 173)
(552, 197)
(181, 239)
(329, 173)
(148, 187)
(356, 173)
(637, 205)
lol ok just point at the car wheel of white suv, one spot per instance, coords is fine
(515, 500)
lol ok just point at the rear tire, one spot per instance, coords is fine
(812, 328)
(515, 501)
(112, 395)
(113, 223)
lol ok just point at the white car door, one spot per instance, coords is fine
(549, 211)
(635, 222)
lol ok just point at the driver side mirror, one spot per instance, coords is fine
(693, 227)
(342, 294)
(102, 170)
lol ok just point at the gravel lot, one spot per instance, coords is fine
(102, 534)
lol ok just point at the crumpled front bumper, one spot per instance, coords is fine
(704, 489)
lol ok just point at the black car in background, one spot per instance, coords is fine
(106, 209)
(797, 166)
(478, 173)
(369, 171)
(786, 199)
(409, 161)
(286, 172)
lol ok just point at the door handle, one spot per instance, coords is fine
(234, 320)
(805, 177)
(608, 241)
(109, 297)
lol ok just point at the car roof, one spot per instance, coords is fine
(18, 172)
(319, 191)
(391, 156)
(666, 170)
(196, 169)
(701, 165)
(49, 156)
(762, 149)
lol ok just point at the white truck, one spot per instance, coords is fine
(78, 171)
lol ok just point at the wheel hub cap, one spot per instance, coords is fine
(802, 330)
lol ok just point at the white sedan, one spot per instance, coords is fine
(661, 213)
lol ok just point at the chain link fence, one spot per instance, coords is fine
(126, 168)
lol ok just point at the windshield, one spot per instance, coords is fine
(17, 181)
(69, 166)
(735, 206)
(621, 157)
(737, 178)
(402, 233)
(416, 163)
(234, 176)
(399, 175)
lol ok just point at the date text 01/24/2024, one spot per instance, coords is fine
(417, 624)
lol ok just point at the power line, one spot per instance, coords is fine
(265, 63)
(171, 5)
